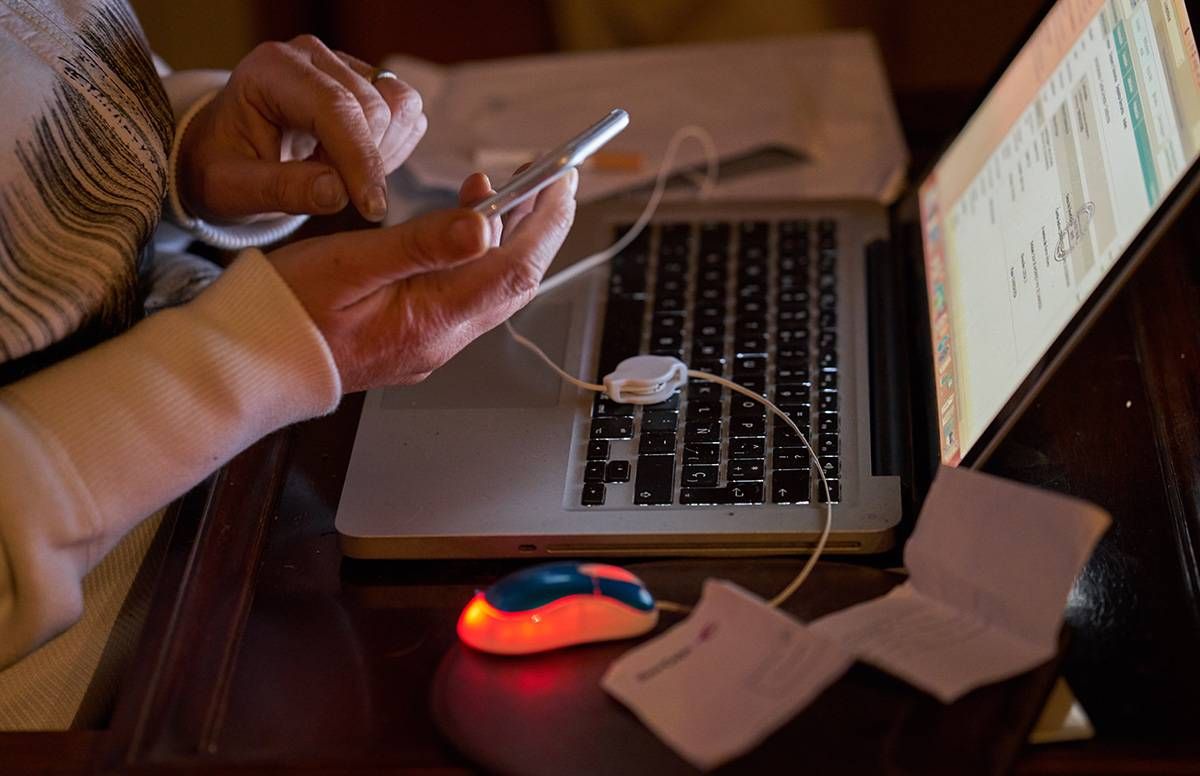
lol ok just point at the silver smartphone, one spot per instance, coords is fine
(552, 166)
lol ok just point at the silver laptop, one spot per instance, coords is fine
(896, 339)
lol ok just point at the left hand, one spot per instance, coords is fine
(298, 129)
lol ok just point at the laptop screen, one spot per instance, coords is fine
(1034, 202)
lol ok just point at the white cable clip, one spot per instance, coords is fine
(645, 379)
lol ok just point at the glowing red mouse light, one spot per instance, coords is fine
(557, 605)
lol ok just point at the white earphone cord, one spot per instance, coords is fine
(595, 260)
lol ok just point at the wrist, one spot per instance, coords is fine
(180, 161)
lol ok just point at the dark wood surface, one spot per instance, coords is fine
(266, 650)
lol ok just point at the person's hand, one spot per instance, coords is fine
(394, 304)
(298, 129)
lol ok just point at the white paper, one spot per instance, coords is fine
(726, 677)
(825, 97)
(991, 563)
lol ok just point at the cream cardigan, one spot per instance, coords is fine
(93, 447)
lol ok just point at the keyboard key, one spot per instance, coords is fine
(655, 480)
(792, 393)
(597, 450)
(709, 331)
(709, 350)
(827, 381)
(700, 475)
(656, 443)
(704, 410)
(753, 383)
(743, 406)
(827, 444)
(669, 403)
(714, 366)
(593, 494)
(733, 493)
(750, 346)
(827, 423)
(745, 492)
(710, 294)
(747, 447)
(743, 470)
(747, 427)
(594, 471)
(705, 496)
(751, 307)
(828, 319)
(831, 465)
(799, 296)
(703, 431)
(605, 407)
(659, 420)
(617, 471)
(835, 490)
(794, 371)
(827, 301)
(789, 458)
(670, 304)
(828, 401)
(749, 366)
(667, 324)
(701, 453)
(784, 434)
(751, 325)
(665, 341)
(790, 487)
(702, 390)
(612, 428)
(827, 359)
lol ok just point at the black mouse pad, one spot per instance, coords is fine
(547, 714)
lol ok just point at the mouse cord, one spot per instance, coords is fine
(597, 259)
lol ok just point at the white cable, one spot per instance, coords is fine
(528, 343)
(597, 259)
(660, 184)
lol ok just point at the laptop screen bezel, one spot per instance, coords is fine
(1074, 331)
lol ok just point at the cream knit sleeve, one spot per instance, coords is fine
(96, 443)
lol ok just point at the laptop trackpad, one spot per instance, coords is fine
(494, 371)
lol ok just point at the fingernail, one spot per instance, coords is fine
(464, 233)
(376, 203)
(573, 178)
(328, 193)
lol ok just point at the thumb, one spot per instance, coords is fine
(243, 187)
(369, 259)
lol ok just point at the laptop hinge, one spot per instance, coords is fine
(886, 327)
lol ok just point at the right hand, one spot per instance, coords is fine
(394, 304)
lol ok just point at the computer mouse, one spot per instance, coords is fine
(555, 605)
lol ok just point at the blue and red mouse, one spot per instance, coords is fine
(555, 605)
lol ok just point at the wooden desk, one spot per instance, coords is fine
(265, 648)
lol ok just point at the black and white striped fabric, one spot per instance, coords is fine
(85, 133)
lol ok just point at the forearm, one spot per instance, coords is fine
(98, 442)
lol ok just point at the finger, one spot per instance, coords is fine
(377, 111)
(360, 263)
(522, 209)
(475, 188)
(234, 188)
(506, 279)
(301, 96)
(408, 123)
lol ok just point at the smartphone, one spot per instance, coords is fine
(554, 165)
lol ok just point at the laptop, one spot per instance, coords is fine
(897, 339)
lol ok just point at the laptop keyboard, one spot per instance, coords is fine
(752, 301)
